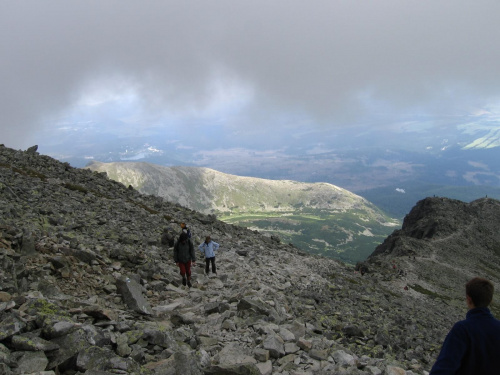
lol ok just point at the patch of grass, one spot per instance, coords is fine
(74, 187)
(489, 268)
(330, 233)
(144, 207)
(352, 281)
(25, 171)
(388, 292)
(420, 289)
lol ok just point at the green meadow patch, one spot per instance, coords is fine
(346, 236)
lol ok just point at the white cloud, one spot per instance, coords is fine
(247, 63)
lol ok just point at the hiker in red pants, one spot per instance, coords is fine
(184, 257)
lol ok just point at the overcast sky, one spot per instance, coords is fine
(243, 65)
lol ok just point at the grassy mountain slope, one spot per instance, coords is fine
(318, 217)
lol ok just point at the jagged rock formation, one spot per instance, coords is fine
(87, 287)
(446, 239)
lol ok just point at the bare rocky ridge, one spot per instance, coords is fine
(448, 240)
(87, 288)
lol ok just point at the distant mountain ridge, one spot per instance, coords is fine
(320, 216)
(209, 191)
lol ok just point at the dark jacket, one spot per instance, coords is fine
(184, 251)
(471, 347)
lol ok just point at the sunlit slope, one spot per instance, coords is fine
(319, 218)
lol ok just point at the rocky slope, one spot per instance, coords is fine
(319, 218)
(448, 240)
(86, 287)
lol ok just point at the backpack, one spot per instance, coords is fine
(187, 231)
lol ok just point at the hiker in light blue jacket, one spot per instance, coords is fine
(208, 248)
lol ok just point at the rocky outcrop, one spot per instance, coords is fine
(86, 286)
(444, 239)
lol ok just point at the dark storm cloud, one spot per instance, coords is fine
(328, 60)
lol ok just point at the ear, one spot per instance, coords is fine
(470, 304)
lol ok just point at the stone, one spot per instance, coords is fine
(32, 150)
(291, 347)
(212, 308)
(229, 325)
(53, 327)
(69, 345)
(382, 339)
(261, 355)
(242, 253)
(353, 331)
(234, 369)
(253, 305)
(100, 313)
(235, 354)
(393, 370)
(32, 362)
(304, 344)
(298, 329)
(343, 358)
(165, 309)
(373, 370)
(320, 355)
(122, 347)
(265, 368)
(5, 297)
(10, 326)
(100, 359)
(275, 345)
(286, 335)
(131, 292)
(28, 343)
(5, 306)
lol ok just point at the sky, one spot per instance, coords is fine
(252, 69)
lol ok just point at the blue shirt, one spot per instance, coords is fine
(472, 347)
(209, 248)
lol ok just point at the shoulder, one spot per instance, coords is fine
(460, 325)
(460, 330)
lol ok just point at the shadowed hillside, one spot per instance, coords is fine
(444, 243)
